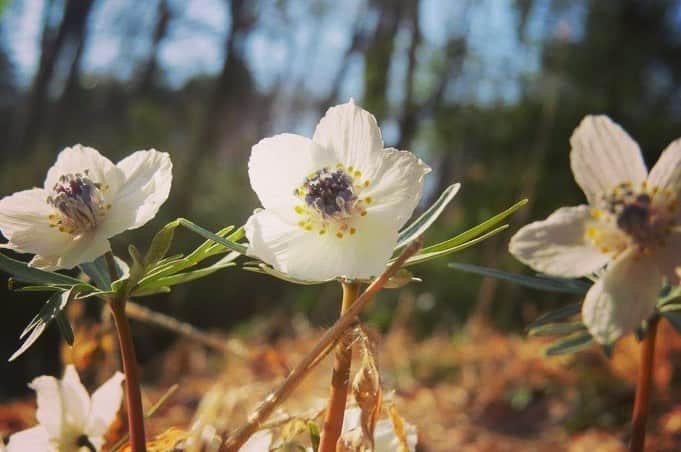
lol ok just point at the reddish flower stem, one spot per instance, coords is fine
(133, 396)
(639, 417)
(333, 420)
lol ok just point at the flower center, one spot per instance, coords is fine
(645, 217)
(331, 199)
(78, 202)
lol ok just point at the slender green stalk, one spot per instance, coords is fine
(133, 396)
(639, 417)
(333, 420)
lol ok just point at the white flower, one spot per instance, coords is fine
(333, 205)
(86, 199)
(385, 438)
(68, 419)
(629, 232)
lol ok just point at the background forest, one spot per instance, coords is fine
(487, 92)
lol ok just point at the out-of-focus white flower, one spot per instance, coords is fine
(629, 233)
(333, 204)
(385, 438)
(86, 199)
(69, 420)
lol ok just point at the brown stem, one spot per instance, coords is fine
(333, 421)
(133, 397)
(328, 339)
(645, 371)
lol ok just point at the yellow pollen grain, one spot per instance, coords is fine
(367, 183)
(363, 213)
(644, 185)
(51, 217)
(301, 224)
(655, 190)
(299, 210)
(595, 213)
(368, 200)
(322, 231)
(308, 227)
(590, 232)
(357, 173)
(352, 231)
(350, 169)
(339, 165)
(108, 206)
(61, 228)
(605, 249)
(339, 235)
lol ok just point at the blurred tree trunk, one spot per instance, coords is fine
(70, 33)
(379, 54)
(233, 96)
(148, 73)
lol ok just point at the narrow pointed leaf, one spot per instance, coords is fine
(160, 244)
(436, 252)
(557, 315)
(557, 329)
(422, 223)
(205, 233)
(475, 231)
(570, 344)
(539, 282)
(64, 327)
(22, 272)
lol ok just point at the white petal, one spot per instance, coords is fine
(666, 174)
(622, 298)
(603, 156)
(147, 180)
(353, 135)
(75, 400)
(259, 442)
(106, 401)
(24, 222)
(385, 438)
(279, 165)
(668, 258)
(85, 248)
(310, 256)
(77, 159)
(32, 439)
(558, 245)
(396, 186)
(50, 411)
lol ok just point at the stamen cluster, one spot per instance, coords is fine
(79, 203)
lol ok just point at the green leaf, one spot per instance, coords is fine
(422, 223)
(557, 315)
(475, 231)
(98, 271)
(315, 435)
(570, 344)
(185, 277)
(539, 282)
(205, 233)
(557, 329)
(668, 294)
(52, 308)
(64, 327)
(22, 272)
(438, 251)
(160, 244)
(670, 307)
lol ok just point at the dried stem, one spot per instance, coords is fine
(639, 417)
(333, 420)
(323, 346)
(133, 397)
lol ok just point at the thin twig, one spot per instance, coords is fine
(328, 339)
(144, 314)
(639, 417)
